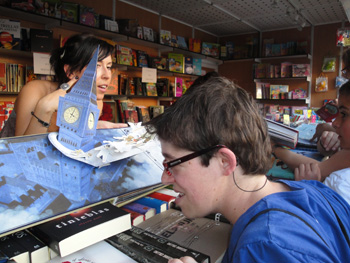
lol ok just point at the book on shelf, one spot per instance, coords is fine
(211, 49)
(197, 66)
(155, 203)
(170, 199)
(155, 110)
(3, 85)
(10, 32)
(278, 91)
(160, 63)
(130, 87)
(286, 70)
(136, 218)
(131, 116)
(125, 55)
(148, 34)
(13, 250)
(282, 134)
(195, 45)
(187, 84)
(112, 88)
(135, 239)
(41, 40)
(151, 89)
(176, 62)
(188, 65)
(122, 83)
(162, 87)
(70, 233)
(88, 16)
(143, 113)
(165, 37)
(69, 11)
(34, 194)
(147, 211)
(204, 235)
(142, 58)
(300, 70)
(99, 252)
(179, 82)
(181, 41)
(38, 251)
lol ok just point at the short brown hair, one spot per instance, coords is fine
(217, 112)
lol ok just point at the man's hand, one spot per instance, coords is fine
(110, 125)
(309, 171)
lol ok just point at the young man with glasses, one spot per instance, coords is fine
(216, 152)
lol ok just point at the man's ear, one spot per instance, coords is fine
(228, 161)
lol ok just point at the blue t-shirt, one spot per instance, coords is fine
(302, 227)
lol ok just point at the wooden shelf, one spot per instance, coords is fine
(293, 102)
(308, 78)
(308, 56)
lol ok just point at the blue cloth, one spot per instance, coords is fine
(279, 237)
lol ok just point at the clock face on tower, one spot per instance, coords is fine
(91, 120)
(71, 114)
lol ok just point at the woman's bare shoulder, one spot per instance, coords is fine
(39, 87)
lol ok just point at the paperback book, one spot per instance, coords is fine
(70, 233)
(10, 34)
(204, 235)
(282, 134)
(176, 62)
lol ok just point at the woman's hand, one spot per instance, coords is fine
(309, 171)
(110, 125)
(182, 260)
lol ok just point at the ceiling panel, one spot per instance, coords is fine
(231, 17)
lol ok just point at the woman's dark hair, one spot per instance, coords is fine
(76, 53)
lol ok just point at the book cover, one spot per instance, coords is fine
(38, 251)
(176, 62)
(99, 252)
(211, 49)
(159, 63)
(164, 197)
(151, 89)
(10, 34)
(143, 113)
(124, 55)
(142, 58)
(282, 134)
(181, 41)
(41, 40)
(188, 65)
(286, 70)
(178, 86)
(277, 90)
(3, 86)
(300, 70)
(136, 218)
(173, 41)
(201, 234)
(131, 88)
(70, 11)
(328, 112)
(70, 233)
(197, 66)
(148, 34)
(138, 87)
(122, 83)
(50, 8)
(156, 110)
(165, 37)
(13, 250)
(147, 211)
(187, 84)
(112, 88)
(88, 16)
(166, 246)
(137, 249)
(162, 87)
(195, 45)
(157, 204)
(131, 116)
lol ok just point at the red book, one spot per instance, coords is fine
(136, 218)
(164, 197)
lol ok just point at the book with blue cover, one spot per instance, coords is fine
(157, 204)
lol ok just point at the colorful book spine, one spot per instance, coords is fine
(157, 204)
(164, 197)
(136, 218)
(147, 211)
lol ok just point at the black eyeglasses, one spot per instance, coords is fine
(188, 157)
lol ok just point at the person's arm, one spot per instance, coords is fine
(110, 125)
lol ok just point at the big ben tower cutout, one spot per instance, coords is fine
(78, 113)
